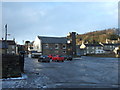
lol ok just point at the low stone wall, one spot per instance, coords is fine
(10, 66)
(103, 55)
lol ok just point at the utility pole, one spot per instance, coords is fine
(6, 32)
(6, 39)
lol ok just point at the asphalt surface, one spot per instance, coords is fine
(85, 72)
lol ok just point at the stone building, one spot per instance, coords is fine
(11, 46)
(50, 45)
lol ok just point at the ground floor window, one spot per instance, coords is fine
(64, 51)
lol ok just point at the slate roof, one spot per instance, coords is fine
(93, 45)
(55, 40)
(10, 42)
(116, 44)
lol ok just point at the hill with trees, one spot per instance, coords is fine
(97, 36)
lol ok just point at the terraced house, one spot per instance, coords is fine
(50, 45)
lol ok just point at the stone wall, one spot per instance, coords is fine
(102, 55)
(10, 66)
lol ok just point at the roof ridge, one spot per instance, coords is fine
(50, 37)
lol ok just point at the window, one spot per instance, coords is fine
(87, 51)
(56, 46)
(13, 47)
(96, 47)
(56, 52)
(92, 47)
(46, 45)
(37, 47)
(64, 46)
(99, 47)
(64, 51)
(13, 51)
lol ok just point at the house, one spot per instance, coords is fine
(110, 47)
(20, 48)
(30, 46)
(90, 49)
(11, 46)
(100, 48)
(50, 45)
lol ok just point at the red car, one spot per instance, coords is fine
(50, 56)
(58, 58)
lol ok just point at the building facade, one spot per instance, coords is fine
(100, 48)
(11, 46)
(91, 49)
(50, 45)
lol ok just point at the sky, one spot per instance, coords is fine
(26, 20)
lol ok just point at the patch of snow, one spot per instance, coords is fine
(24, 76)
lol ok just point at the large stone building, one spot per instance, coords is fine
(50, 45)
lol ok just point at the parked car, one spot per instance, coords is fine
(35, 54)
(50, 56)
(58, 58)
(43, 58)
(67, 57)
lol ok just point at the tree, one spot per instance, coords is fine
(113, 37)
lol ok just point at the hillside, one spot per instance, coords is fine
(97, 36)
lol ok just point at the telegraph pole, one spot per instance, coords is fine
(6, 32)
(6, 39)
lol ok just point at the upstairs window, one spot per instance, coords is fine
(64, 46)
(13, 47)
(46, 45)
(56, 46)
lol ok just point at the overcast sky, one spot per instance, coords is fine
(26, 20)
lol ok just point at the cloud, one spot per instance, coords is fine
(26, 20)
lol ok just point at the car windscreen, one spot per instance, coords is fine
(44, 56)
(33, 51)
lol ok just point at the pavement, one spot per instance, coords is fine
(84, 72)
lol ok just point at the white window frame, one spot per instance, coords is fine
(57, 46)
(13, 51)
(64, 51)
(13, 47)
(64, 47)
(46, 45)
(87, 51)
